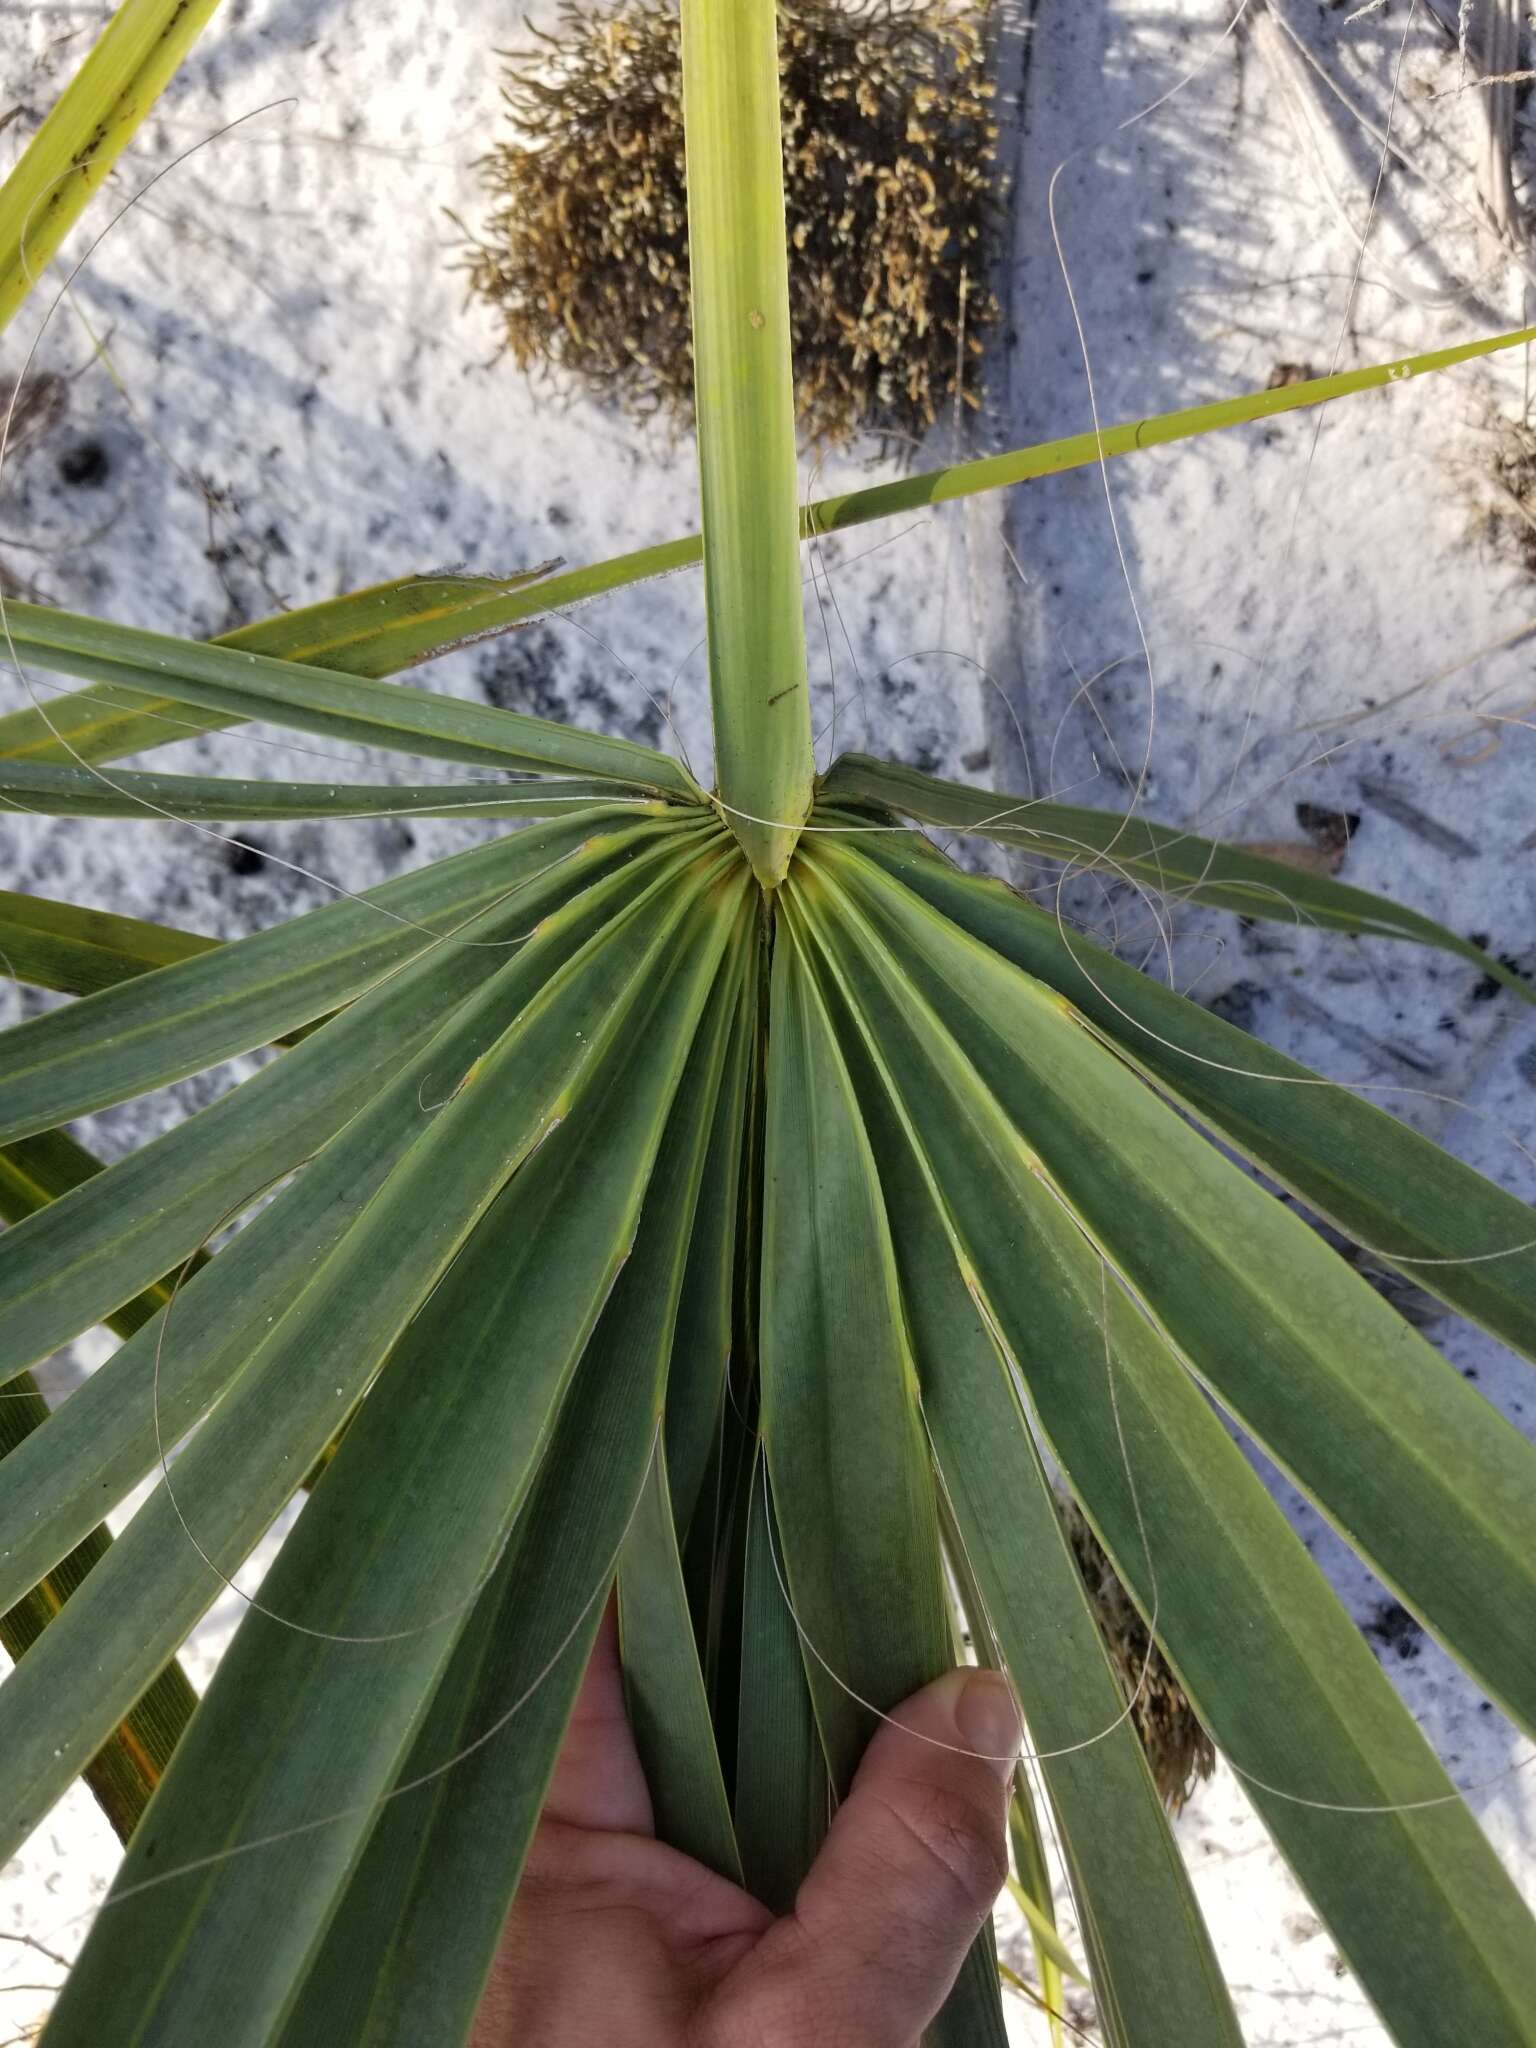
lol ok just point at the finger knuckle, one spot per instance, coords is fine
(961, 1843)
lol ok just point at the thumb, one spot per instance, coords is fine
(907, 1875)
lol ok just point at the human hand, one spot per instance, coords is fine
(616, 1941)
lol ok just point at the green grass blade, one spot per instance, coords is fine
(1404, 1456)
(86, 132)
(47, 790)
(1161, 857)
(378, 1546)
(744, 397)
(1382, 1183)
(1156, 1965)
(1031, 1890)
(78, 951)
(308, 698)
(1021, 465)
(1131, 437)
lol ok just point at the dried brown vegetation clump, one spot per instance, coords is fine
(1512, 516)
(889, 152)
(1177, 1746)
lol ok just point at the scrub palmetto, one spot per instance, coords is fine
(718, 1190)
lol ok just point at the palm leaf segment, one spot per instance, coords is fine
(762, 1264)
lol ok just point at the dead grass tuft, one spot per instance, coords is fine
(889, 150)
(1177, 1747)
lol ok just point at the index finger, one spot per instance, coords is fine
(598, 1782)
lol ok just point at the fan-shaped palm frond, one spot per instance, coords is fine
(723, 1195)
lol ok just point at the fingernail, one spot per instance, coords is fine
(989, 1721)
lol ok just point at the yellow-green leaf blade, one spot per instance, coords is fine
(86, 132)
(309, 698)
(372, 632)
(51, 790)
(79, 951)
(744, 391)
(1162, 857)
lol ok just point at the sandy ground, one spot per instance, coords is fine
(302, 403)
